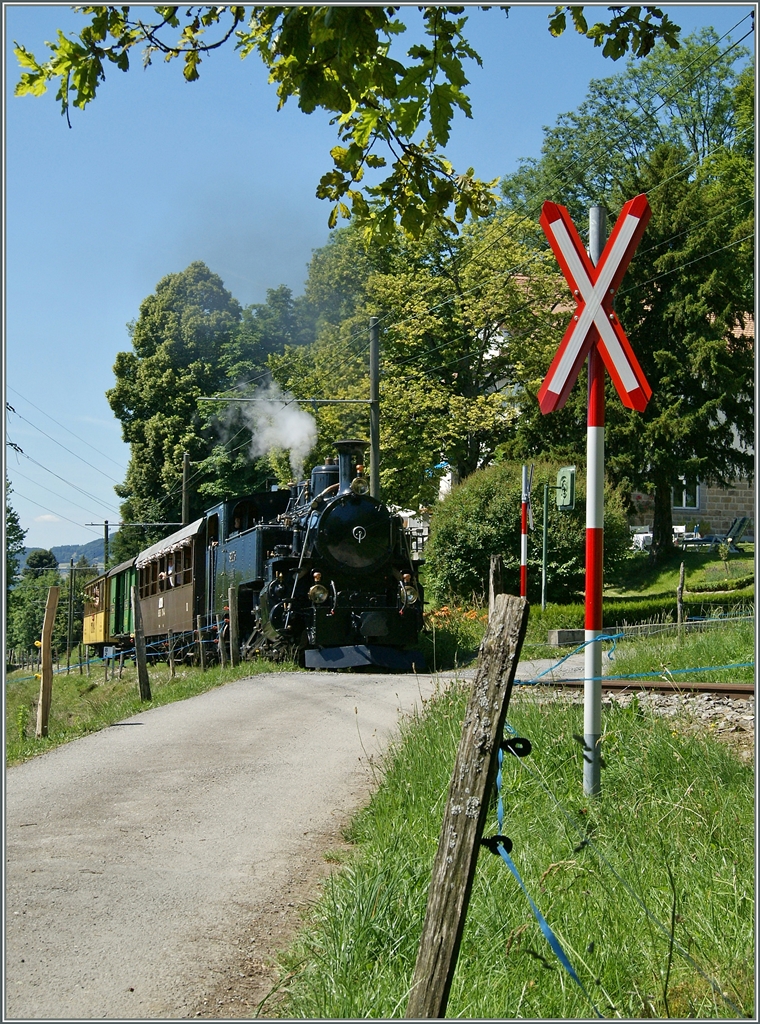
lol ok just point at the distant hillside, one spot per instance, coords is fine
(92, 551)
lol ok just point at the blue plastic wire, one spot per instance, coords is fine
(592, 846)
(549, 935)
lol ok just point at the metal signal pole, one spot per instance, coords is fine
(592, 687)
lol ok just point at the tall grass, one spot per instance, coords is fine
(82, 704)
(671, 836)
(709, 650)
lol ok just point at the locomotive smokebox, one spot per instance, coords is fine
(349, 452)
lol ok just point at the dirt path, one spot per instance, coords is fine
(152, 868)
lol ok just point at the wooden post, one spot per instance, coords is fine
(87, 657)
(143, 681)
(79, 647)
(679, 601)
(201, 652)
(46, 683)
(70, 623)
(121, 663)
(495, 581)
(171, 654)
(222, 649)
(467, 809)
(105, 662)
(234, 648)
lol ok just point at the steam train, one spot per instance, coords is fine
(322, 572)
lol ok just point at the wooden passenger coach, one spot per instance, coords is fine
(170, 580)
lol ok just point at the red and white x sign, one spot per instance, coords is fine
(594, 288)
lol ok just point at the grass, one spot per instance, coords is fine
(712, 648)
(672, 832)
(702, 569)
(82, 704)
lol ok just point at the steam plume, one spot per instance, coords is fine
(276, 421)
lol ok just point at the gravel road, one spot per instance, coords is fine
(147, 862)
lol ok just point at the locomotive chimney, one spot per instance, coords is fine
(346, 451)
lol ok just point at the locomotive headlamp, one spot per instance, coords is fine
(318, 594)
(409, 595)
(359, 485)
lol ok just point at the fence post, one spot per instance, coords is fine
(467, 808)
(171, 653)
(46, 655)
(495, 581)
(201, 653)
(79, 651)
(121, 663)
(143, 681)
(679, 602)
(234, 647)
(222, 641)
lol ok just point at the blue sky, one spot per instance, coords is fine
(157, 173)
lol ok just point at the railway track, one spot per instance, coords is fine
(736, 690)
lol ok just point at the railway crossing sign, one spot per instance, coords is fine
(595, 322)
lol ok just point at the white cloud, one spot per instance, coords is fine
(46, 519)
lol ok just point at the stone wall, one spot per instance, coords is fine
(718, 507)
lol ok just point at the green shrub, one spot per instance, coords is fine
(481, 518)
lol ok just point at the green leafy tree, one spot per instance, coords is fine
(338, 58)
(681, 302)
(27, 611)
(177, 341)
(14, 541)
(482, 517)
(39, 561)
(686, 97)
(690, 285)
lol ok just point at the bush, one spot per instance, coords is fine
(481, 518)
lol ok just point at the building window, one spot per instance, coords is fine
(686, 493)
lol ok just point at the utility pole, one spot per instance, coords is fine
(374, 407)
(186, 488)
(105, 546)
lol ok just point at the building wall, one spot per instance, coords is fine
(717, 508)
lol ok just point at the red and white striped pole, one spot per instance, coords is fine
(524, 535)
(592, 689)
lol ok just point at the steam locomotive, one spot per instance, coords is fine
(322, 572)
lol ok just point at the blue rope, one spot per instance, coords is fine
(549, 935)
(587, 841)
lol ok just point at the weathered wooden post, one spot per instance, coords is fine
(467, 808)
(679, 602)
(495, 581)
(234, 647)
(171, 654)
(221, 639)
(143, 681)
(201, 652)
(46, 655)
